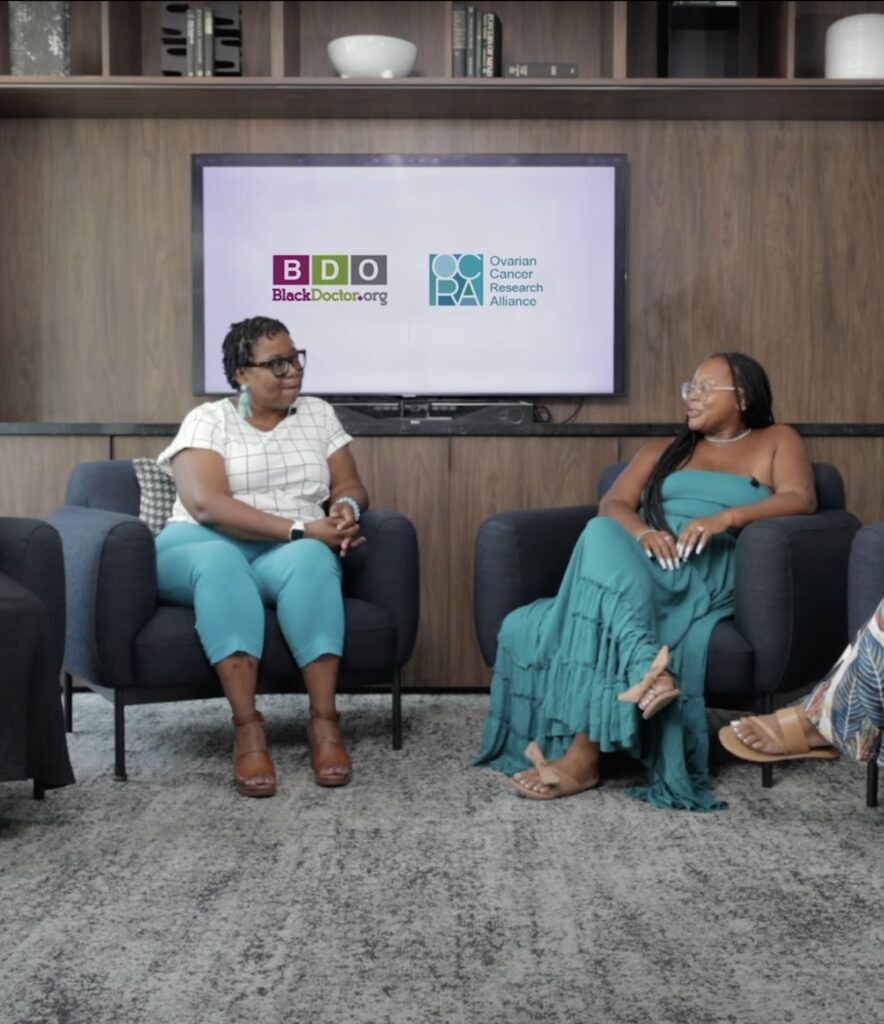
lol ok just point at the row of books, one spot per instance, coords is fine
(476, 50)
(200, 40)
(476, 42)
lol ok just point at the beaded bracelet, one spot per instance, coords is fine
(353, 503)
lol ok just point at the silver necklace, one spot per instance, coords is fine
(728, 440)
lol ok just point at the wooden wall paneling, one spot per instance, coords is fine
(741, 236)
(35, 470)
(612, 39)
(410, 475)
(491, 475)
(285, 39)
(128, 446)
(641, 39)
(86, 37)
(628, 446)
(860, 460)
(121, 44)
(776, 39)
(151, 38)
(761, 236)
(255, 26)
(427, 25)
(811, 21)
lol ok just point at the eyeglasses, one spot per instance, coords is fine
(281, 365)
(702, 391)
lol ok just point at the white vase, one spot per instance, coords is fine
(855, 47)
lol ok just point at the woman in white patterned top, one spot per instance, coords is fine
(253, 474)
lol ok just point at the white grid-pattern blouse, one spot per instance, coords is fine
(283, 471)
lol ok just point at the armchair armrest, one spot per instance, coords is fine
(791, 587)
(30, 552)
(521, 556)
(385, 571)
(111, 574)
(865, 576)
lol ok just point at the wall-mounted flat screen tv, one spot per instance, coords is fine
(445, 276)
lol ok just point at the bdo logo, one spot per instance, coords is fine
(456, 279)
(329, 268)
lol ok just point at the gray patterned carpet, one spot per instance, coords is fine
(424, 891)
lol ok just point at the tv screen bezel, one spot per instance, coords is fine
(617, 161)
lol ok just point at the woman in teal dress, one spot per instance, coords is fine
(617, 659)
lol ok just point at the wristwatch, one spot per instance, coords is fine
(297, 530)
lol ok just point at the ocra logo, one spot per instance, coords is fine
(456, 279)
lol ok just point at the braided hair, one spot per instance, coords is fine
(240, 341)
(751, 380)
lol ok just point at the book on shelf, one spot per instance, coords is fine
(470, 56)
(458, 40)
(191, 42)
(199, 42)
(541, 69)
(491, 40)
(208, 41)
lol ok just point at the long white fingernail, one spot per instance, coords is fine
(650, 554)
(679, 549)
(700, 547)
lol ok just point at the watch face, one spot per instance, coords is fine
(297, 531)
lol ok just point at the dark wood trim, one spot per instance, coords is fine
(423, 98)
(432, 427)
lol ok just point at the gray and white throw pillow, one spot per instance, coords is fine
(157, 494)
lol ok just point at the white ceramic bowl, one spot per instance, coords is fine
(372, 56)
(855, 47)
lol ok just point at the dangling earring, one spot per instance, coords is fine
(245, 408)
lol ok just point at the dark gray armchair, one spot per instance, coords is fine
(790, 616)
(865, 588)
(125, 645)
(30, 554)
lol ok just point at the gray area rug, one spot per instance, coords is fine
(425, 891)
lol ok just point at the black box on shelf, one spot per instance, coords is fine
(228, 39)
(698, 40)
(173, 30)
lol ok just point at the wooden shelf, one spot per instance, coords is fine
(308, 98)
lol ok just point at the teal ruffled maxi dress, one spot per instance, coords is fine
(562, 661)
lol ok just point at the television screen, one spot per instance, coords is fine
(446, 276)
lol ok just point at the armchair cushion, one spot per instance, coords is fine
(31, 553)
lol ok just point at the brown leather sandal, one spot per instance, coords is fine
(253, 762)
(333, 755)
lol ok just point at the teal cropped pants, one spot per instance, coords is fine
(228, 582)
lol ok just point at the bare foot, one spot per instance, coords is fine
(756, 738)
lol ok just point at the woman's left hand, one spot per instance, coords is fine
(344, 518)
(694, 537)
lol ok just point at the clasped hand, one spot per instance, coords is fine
(692, 539)
(339, 530)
